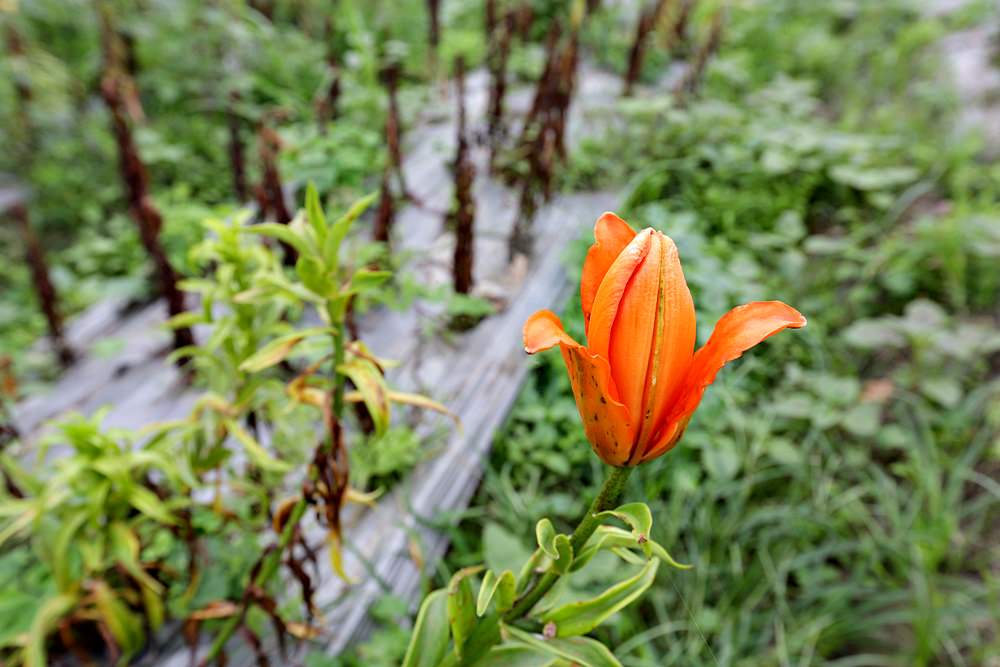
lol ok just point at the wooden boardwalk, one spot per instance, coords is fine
(476, 374)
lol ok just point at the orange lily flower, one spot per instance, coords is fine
(639, 380)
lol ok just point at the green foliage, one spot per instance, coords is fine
(453, 618)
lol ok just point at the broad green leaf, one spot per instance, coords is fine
(577, 618)
(429, 641)
(501, 587)
(461, 607)
(46, 619)
(278, 349)
(581, 651)
(255, 450)
(370, 382)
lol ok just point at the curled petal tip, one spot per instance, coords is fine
(544, 330)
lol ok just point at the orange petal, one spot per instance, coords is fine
(672, 346)
(738, 330)
(606, 421)
(611, 235)
(543, 330)
(611, 291)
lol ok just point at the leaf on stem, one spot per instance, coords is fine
(429, 641)
(577, 618)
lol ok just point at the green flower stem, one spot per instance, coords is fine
(338, 360)
(607, 499)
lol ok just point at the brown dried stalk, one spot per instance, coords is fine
(433, 31)
(34, 252)
(264, 7)
(328, 105)
(386, 212)
(268, 147)
(648, 20)
(463, 214)
(695, 74)
(500, 36)
(679, 30)
(44, 289)
(237, 159)
(543, 137)
(393, 128)
(271, 192)
(113, 84)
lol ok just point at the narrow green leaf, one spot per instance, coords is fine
(605, 537)
(278, 349)
(484, 636)
(366, 280)
(149, 504)
(582, 651)
(255, 450)
(46, 619)
(545, 533)
(187, 319)
(429, 641)
(125, 549)
(577, 618)
(502, 587)
(331, 249)
(655, 549)
(636, 515)
(284, 233)
(314, 211)
(64, 559)
(461, 607)
(124, 625)
(313, 275)
(529, 569)
(374, 392)
(564, 554)
(518, 655)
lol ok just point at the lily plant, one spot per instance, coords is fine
(637, 383)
